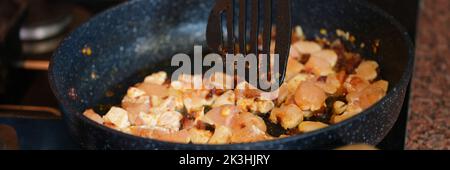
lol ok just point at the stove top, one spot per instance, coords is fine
(29, 114)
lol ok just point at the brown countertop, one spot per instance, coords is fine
(429, 117)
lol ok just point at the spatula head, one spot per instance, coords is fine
(264, 15)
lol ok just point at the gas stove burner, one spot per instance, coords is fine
(45, 31)
(30, 112)
(46, 25)
(43, 46)
(42, 34)
(46, 19)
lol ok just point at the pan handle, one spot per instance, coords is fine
(357, 147)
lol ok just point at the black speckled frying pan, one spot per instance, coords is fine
(138, 37)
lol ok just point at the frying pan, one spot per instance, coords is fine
(139, 37)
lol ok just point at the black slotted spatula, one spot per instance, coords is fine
(261, 13)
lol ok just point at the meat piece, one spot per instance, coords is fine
(156, 78)
(246, 104)
(188, 82)
(220, 80)
(197, 115)
(307, 113)
(247, 127)
(321, 63)
(309, 97)
(155, 101)
(151, 89)
(247, 118)
(142, 131)
(293, 83)
(199, 136)
(381, 84)
(254, 105)
(327, 55)
(339, 107)
(367, 70)
(251, 93)
(182, 136)
(159, 133)
(294, 54)
(309, 126)
(221, 116)
(283, 94)
(187, 122)
(118, 117)
(263, 106)
(330, 85)
(250, 133)
(363, 99)
(370, 95)
(284, 136)
(244, 89)
(289, 116)
(133, 93)
(148, 120)
(355, 83)
(195, 100)
(177, 85)
(93, 116)
(306, 47)
(351, 110)
(290, 100)
(228, 98)
(170, 120)
(273, 95)
(293, 68)
(171, 103)
(221, 135)
(135, 102)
